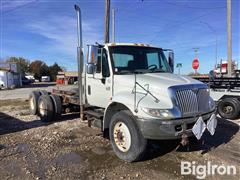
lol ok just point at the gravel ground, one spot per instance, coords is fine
(68, 149)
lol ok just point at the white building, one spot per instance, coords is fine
(9, 76)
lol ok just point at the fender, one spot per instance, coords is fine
(121, 101)
(125, 101)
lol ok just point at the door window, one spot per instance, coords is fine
(102, 63)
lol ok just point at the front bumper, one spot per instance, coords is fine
(168, 129)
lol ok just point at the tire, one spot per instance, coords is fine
(57, 105)
(33, 102)
(43, 92)
(229, 108)
(122, 125)
(45, 108)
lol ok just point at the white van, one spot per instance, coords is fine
(45, 79)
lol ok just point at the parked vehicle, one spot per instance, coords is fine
(26, 81)
(45, 78)
(7, 80)
(1, 84)
(225, 91)
(31, 78)
(130, 92)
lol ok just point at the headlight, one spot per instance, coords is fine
(211, 104)
(161, 113)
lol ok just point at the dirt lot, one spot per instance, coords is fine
(68, 149)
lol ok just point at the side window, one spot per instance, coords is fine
(105, 65)
(99, 64)
(153, 59)
(102, 63)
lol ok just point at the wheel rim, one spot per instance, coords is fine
(228, 109)
(42, 109)
(31, 101)
(122, 136)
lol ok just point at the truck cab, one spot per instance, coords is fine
(111, 70)
(137, 82)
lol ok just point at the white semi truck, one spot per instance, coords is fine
(132, 91)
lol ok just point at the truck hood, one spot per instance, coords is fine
(154, 80)
(167, 79)
(156, 83)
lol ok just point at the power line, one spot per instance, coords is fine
(194, 7)
(19, 7)
(180, 24)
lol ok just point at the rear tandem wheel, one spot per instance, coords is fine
(46, 108)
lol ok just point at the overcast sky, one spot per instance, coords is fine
(46, 29)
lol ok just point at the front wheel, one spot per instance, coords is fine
(127, 141)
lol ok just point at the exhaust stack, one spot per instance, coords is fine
(80, 59)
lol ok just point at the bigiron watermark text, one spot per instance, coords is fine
(201, 171)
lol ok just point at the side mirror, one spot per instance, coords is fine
(171, 60)
(92, 54)
(91, 68)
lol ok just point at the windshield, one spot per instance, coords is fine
(129, 59)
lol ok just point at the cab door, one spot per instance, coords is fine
(99, 84)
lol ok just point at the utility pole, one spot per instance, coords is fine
(113, 25)
(107, 19)
(229, 37)
(196, 52)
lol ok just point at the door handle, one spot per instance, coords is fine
(89, 90)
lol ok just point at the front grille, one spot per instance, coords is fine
(203, 100)
(192, 101)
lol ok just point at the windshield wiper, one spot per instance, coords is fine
(137, 71)
(158, 70)
(140, 71)
(124, 72)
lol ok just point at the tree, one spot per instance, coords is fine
(23, 64)
(53, 71)
(44, 70)
(39, 69)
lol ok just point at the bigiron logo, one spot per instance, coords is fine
(208, 169)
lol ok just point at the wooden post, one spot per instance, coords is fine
(113, 25)
(229, 37)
